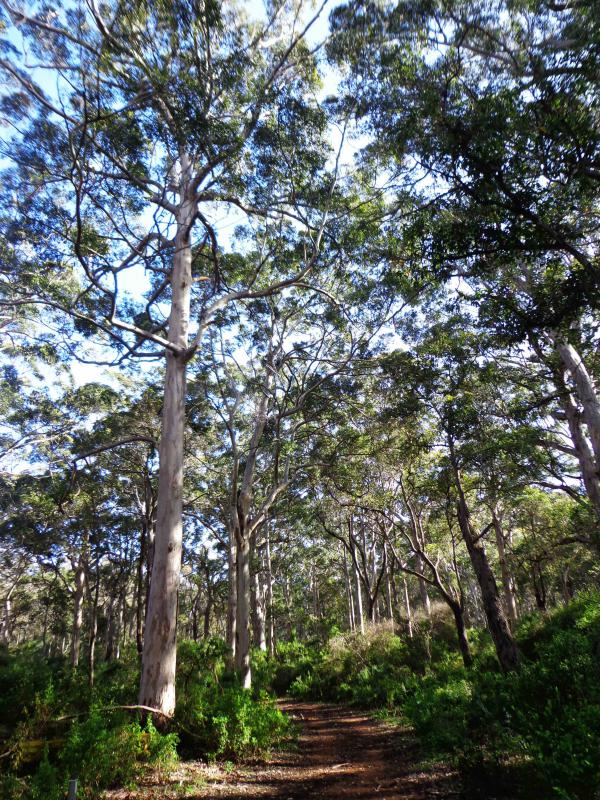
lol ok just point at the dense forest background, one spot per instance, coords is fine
(299, 324)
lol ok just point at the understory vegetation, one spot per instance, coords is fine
(299, 385)
(66, 729)
(529, 734)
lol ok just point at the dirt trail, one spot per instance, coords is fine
(341, 754)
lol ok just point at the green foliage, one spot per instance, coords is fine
(110, 751)
(531, 731)
(215, 716)
(294, 663)
(21, 679)
(68, 729)
(538, 726)
(102, 750)
(236, 724)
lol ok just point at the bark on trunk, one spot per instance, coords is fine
(506, 648)
(539, 586)
(407, 608)
(269, 599)
(78, 596)
(207, 613)
(508, 583)
(423, 593)
(260, 627)
(140, 593)
(389, 607)
(242, 644)
(6, 628)
(359, 602)
(585, 457)
(94, 626)
(461, 632)
(349, 595)
(157, 687)
(586, 392)
(232, 597)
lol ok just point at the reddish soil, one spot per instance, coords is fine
(341, 754)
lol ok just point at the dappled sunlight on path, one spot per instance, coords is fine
(341, 753)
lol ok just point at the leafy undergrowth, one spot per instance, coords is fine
(65, 729)
(535, 733)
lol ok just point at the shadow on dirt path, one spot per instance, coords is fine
(342, 754)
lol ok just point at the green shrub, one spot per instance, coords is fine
(102, 749)
(104, 752)
(293, 661)
(372, 670)
(543, 720)
(230, 722)
(215, 716)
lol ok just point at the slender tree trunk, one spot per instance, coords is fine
(259, 617)
(6, 621)
(316, 610)
(586, 392)
(94, 624)
(110, 629)
(243, 504)
(395, 595)
(372, 608)
(78, 597)
(388, 587)
(6, 628)
(508, 583)
(408, 608)
(287, 597)
(140, 593)
(207, 611)
(157, 687)
(539, 586)
(359, 603)
(120, 628)
(567, 585)
(349, 595)
(45, 649)
(270, 618)
(423, 593)
(461, 632)
(242, 644)
(232, 598)
(195, 611)
(506, 648)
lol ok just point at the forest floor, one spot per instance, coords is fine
(340, 753)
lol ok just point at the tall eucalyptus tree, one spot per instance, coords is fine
(135, 124)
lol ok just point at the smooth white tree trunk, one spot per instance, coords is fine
(423, 593)
(359, 603)
(409, 619)
(585, 391)
(585, 457)
(269, 598)
(259, 610)
(232, 596)
(157, 686)
(242, 646)
(78, 597)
